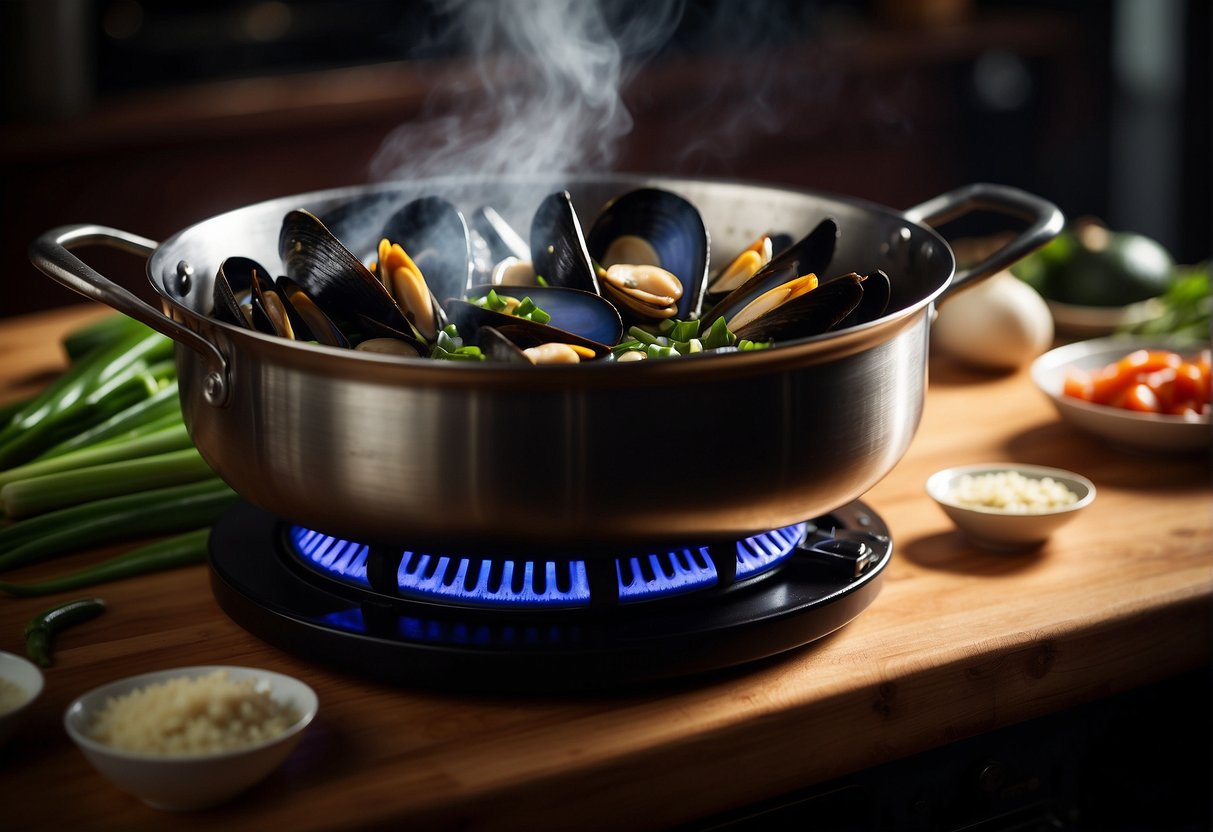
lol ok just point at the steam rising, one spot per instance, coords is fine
(549, 74)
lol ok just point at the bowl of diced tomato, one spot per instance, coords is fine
(1145, 393)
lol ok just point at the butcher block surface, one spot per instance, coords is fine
(959, 642)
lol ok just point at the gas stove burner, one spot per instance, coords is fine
(501, 620)
(504, 582)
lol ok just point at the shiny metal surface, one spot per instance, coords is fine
(379, 448)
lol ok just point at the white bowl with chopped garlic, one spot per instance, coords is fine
(191, 737)
(1009, 506)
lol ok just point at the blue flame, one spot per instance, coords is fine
(521, 583)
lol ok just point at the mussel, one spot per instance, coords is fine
(815, 309)
(572, 310)
(337, 280)
(810, 255)
(645, 261)
(434, 234)
(597, 317)
(558, 249)
(653, 248)
(245, 296)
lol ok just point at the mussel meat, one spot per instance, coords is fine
(653, 228)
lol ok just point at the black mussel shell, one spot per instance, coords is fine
(812, 313)
(668, 223)
(876, 292)
(233, 287)
(434, 234)
(558, 250)
(307, 319)
(497, 347)
(470, 319)
(572, 310)
(780, 242)
(337, 280)
(810, 255)
(269, 312)
(369, 328)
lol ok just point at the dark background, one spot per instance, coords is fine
(148, 115)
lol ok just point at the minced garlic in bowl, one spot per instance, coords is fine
(1009, 506)
(192, 715)
(1012, 492)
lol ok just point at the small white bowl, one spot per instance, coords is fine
(992, 528)
(194, 781)
(1126, 428)
(28, 678)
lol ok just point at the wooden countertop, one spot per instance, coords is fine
(958, 643)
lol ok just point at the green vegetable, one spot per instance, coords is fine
(450, 347)
(106, 381)
(42, 628)
(141, 514)
(1088, 265)
(53, 491)
(163, 402)
(9, 409)
(1186, 306)
(674, 338)
(170, 437)
(169, 553)
(104, 331)
(524, 308)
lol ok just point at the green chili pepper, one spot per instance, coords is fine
(41, 629)
(169, 553)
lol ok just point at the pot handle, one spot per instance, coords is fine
(51, 254)
(1045, 222)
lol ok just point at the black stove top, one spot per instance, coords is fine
(504, 620)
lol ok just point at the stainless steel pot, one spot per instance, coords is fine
(380, 448)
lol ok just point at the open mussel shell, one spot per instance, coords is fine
(809, 255)
(374, 336)
(498, 348)
(581, 313)
(558, 249)
(233, 289)
(307, 319)
(470, 319)
(332, 276)
(269, 311)
(812, 313)
(654, 227)
(435, 235)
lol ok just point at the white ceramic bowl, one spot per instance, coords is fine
(26, 676)
(1126, 428)
(196, 781)
(992, 528)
